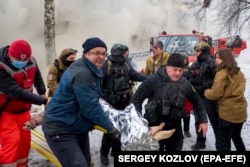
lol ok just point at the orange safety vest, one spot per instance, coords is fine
(25, 79)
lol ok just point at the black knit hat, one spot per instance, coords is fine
(176, 60)
(91, 43)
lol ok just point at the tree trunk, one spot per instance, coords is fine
(49, 31)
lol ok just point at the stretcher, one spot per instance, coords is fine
(134, 130)
(39, 143)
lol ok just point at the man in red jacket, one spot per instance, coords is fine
(19, 73)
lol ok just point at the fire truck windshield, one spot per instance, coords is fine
(183, 44)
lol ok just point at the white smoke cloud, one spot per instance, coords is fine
(114, 21)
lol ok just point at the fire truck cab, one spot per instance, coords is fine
(181, 43)
(185, 43)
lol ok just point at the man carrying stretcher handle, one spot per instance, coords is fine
(74, 108)
(156, 132)
(167, 91)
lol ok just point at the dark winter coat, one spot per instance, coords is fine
(169, 97)
(117, 81)
(75, 107)
(9, 86)
(202, 72)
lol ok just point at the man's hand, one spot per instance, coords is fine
(114, 134)
(141, 71)
(203, 127)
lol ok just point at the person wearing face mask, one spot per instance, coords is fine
(56, 71)
(201, 76)
(19, 74)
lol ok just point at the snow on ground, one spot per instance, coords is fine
(36, 160)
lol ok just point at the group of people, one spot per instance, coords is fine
(214, 86)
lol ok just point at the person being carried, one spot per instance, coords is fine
(167, 91)
(74, 108)
(56, 71)
(19, 74)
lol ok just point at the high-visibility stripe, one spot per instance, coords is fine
(9, 165)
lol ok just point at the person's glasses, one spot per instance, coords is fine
(99, 54)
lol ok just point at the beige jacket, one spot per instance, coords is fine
(52, 75)
(229, 92)
(149, 69)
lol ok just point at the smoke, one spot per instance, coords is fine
(131, 22)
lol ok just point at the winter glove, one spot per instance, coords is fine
(114, 134)
(34, 121)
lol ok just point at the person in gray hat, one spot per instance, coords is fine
(156, 60)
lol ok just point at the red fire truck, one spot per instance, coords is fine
(185, 43)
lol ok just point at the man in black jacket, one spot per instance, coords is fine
(116, 89)
(202, 75)
(167, 91)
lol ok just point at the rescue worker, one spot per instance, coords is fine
(75, 108)
(18, 73)
(202, 72)
(158, 59)
(133, 64)
(130, 60)
(54, 76)
(116, 90)
(167, 91)
(154, 62)
(237, 42)
(55, 71)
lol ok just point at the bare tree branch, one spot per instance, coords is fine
(232, 15)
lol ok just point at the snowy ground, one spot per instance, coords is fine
(37, 160)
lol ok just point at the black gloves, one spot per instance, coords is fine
(114, 134)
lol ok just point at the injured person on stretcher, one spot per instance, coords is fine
(134, 130)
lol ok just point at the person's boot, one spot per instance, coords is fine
(91, 164)
(104, 160)
(112, 153)
(198, 146)
(200, 141)
(187, 134)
